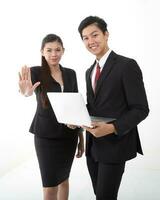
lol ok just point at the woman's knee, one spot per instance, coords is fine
(50, 193)
(64, 183)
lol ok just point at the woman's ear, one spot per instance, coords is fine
(42, 52)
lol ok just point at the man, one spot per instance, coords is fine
(115, 89)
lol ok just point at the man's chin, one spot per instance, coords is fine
(94, 52)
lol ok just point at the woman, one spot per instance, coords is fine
(55, 143)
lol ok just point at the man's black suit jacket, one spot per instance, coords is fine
(119, 94)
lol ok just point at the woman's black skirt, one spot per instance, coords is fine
(55, 157)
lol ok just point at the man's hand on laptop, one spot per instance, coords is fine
(100, 129)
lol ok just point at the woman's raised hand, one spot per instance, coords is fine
(25, 84)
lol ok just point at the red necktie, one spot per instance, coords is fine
(98, 72)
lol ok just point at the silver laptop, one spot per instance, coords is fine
(70, 108)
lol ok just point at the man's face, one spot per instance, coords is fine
(95, 40)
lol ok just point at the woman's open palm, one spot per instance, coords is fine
(25, 84)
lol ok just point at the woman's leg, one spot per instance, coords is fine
(50, 193)
(63, 190)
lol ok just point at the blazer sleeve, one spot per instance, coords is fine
(136, 99)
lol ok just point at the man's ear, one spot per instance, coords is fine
(107, 34)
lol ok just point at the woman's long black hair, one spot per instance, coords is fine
(45, 72)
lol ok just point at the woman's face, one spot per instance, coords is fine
(52, 52)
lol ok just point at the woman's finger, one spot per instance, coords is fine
(79, 153)
(20, 77)
(29, 74)
(35, 86)
(22, 73)
(26, 73)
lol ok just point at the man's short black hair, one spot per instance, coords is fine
(99, 22)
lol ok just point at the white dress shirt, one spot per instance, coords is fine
(101, 64)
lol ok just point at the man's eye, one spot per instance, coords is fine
(84, 38)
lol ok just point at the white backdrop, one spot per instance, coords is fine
(133, 27)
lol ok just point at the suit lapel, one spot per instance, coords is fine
(65, 77)
(106, 70)
(88, 80)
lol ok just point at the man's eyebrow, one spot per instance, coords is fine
(90, 33)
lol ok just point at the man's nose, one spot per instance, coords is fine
(90, 40)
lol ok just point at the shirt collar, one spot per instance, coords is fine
(103, 59)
